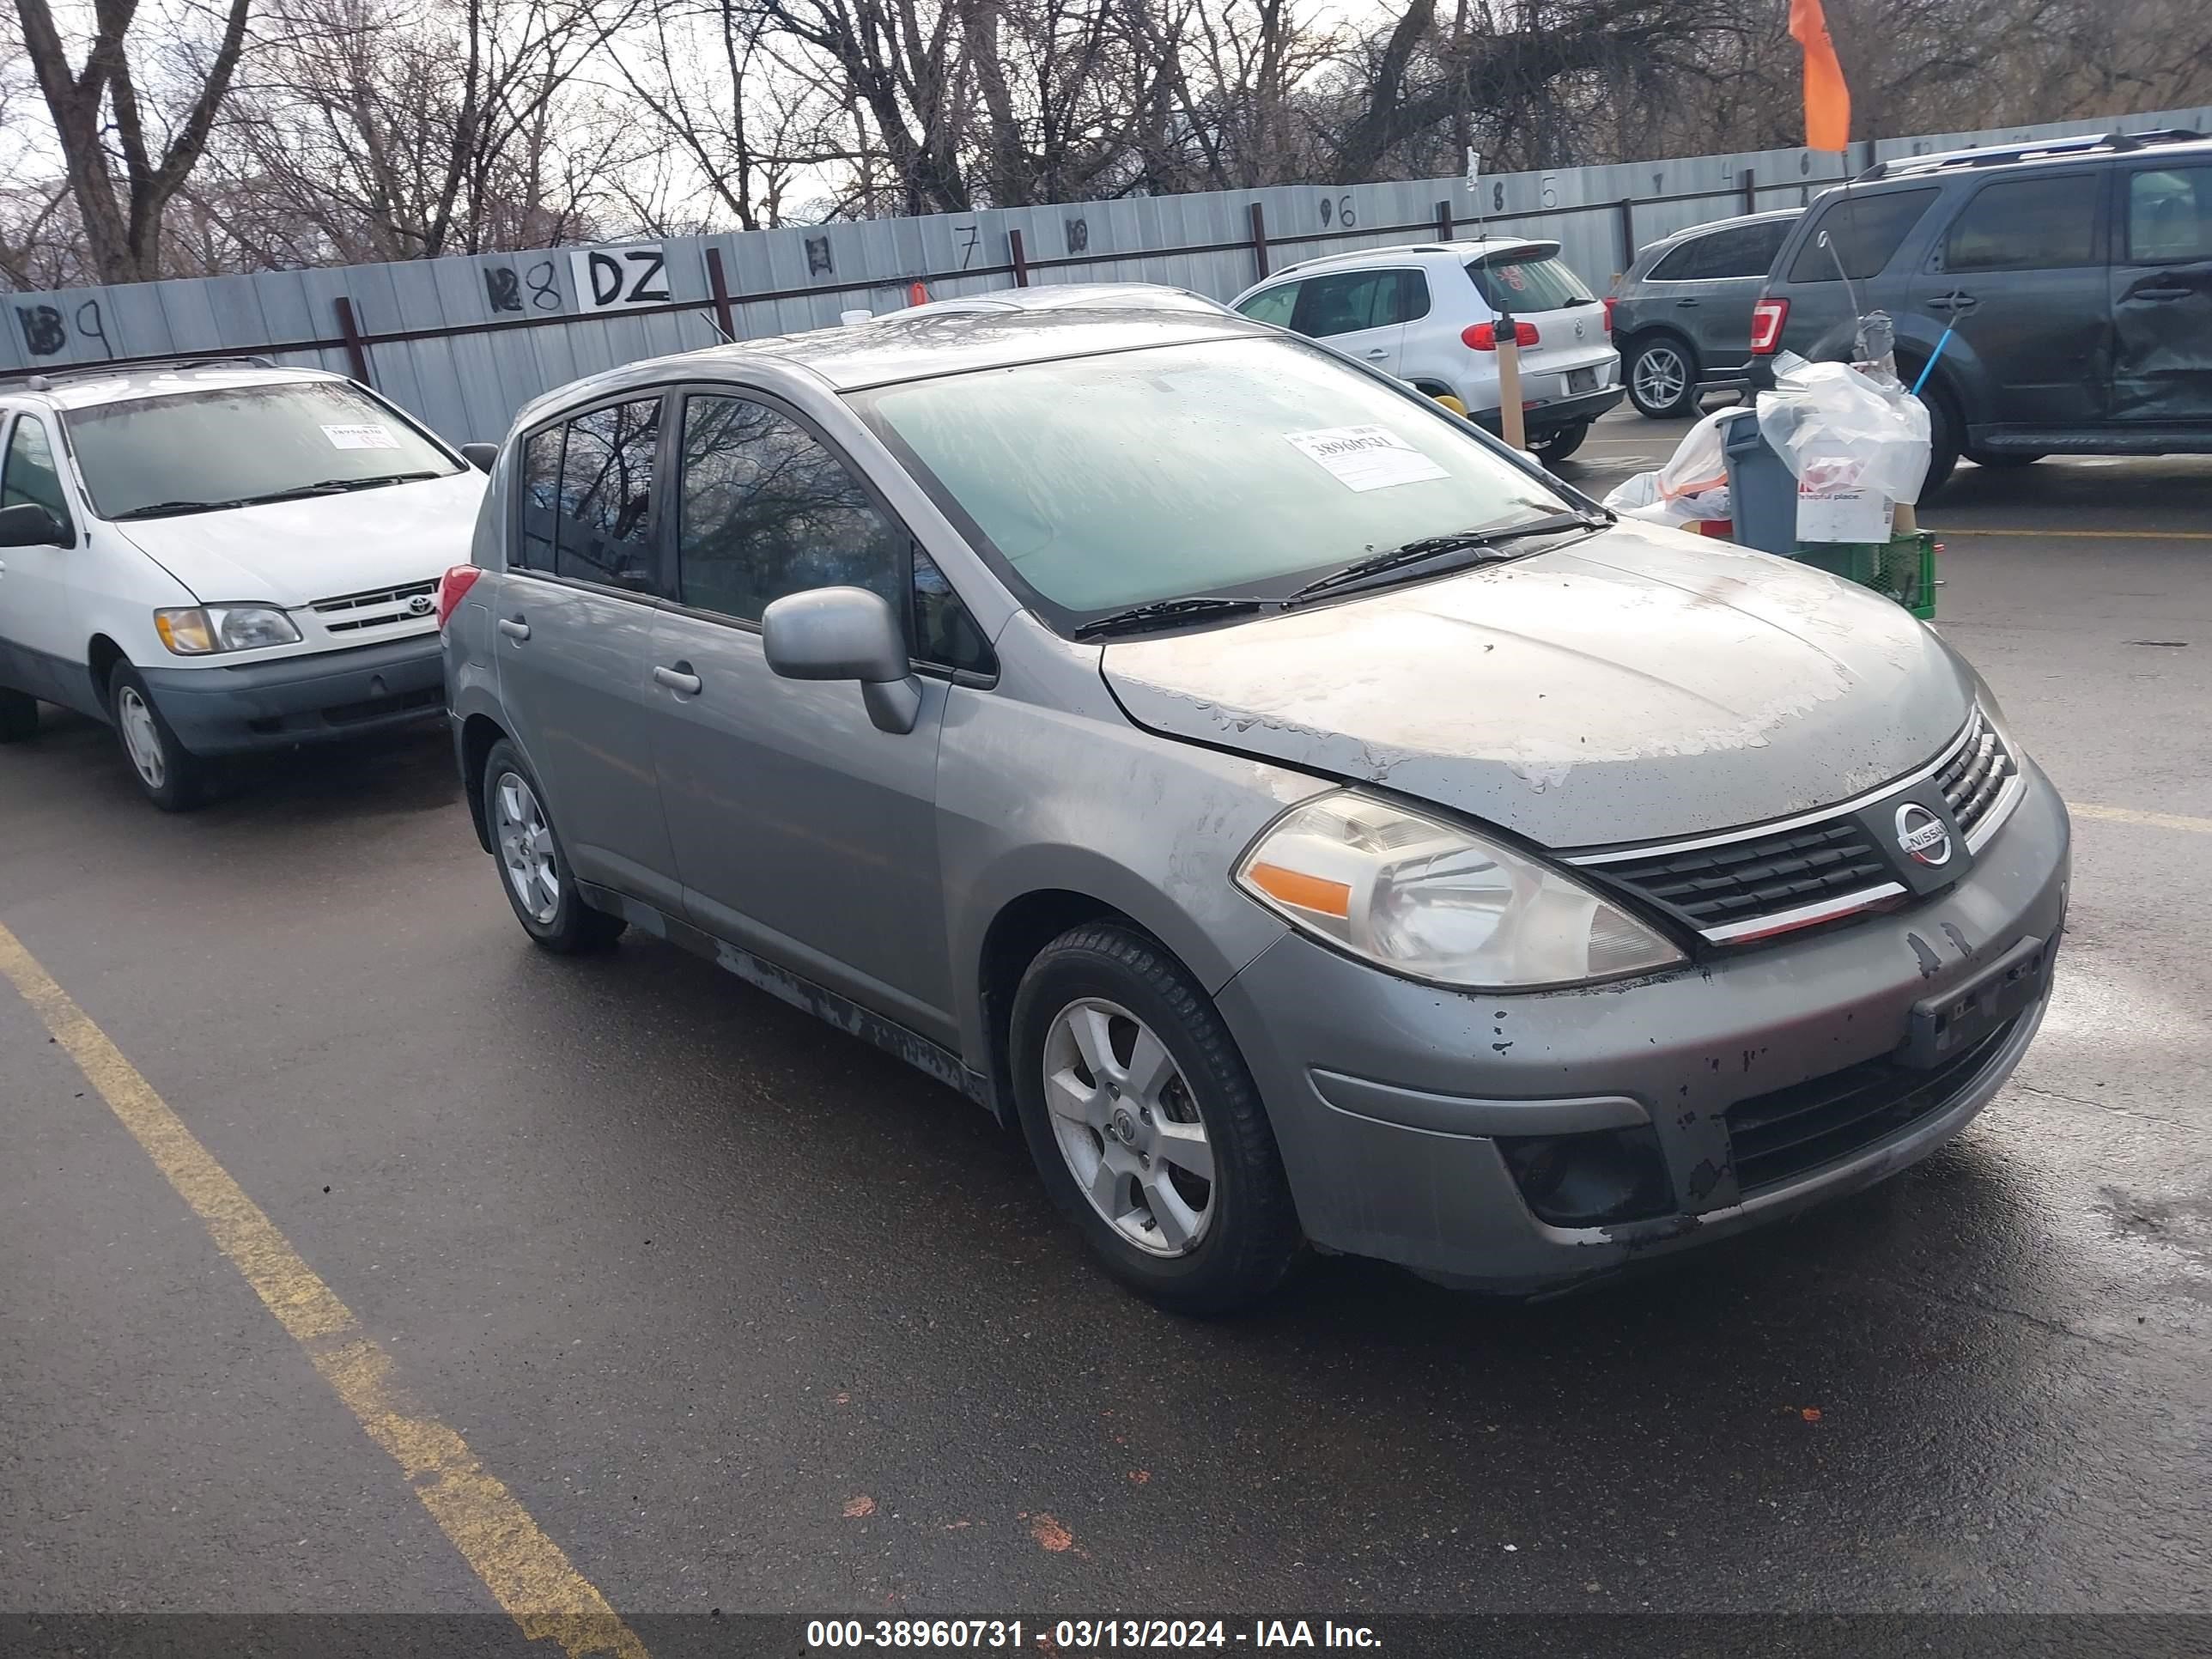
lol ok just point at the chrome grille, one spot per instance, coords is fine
(382, 607)
(1973, 778)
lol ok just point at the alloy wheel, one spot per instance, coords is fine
(1660, 376)
(1129, 1126)
(525, 847)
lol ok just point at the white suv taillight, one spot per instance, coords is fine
(452, 585)
(1767, 318)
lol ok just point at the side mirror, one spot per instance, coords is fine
(29, 525)
(480, 456)
(845, 634)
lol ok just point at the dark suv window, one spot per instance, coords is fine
(2170, 215)
(1742, 251)
(1349, 300)
(1866, 229)
(2027, 224)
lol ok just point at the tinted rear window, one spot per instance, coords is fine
(1511, 282)
(1742, 251)
(1866, 230)
(2027, 224)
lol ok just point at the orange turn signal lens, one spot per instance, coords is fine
(1326, 899)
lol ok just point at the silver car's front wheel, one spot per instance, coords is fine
(1128, 1125)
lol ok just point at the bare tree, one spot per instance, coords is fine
(125, 153)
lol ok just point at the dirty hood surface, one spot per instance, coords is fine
(1640, 683)
(293, 553)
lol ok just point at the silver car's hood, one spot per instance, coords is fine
(1640, 683)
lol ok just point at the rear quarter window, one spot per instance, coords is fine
(1866, 229)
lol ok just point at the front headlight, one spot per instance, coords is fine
(195, 631)
(1422, 898)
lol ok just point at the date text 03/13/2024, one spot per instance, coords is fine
(1084, 1636)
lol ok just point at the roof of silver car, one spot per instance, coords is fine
(86, 386)
(992, 331)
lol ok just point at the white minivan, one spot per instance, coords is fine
(215, 558)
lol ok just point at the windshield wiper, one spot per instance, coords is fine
(1162, 613)
(334, 487)
(167, 509)
(1493, 543)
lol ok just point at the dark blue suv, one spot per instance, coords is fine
(2075, 275)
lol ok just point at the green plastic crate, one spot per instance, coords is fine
(1902, 569)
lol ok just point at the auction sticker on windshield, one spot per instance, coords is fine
(369, 434)
(1366, 456)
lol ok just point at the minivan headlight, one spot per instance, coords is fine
(195, 630)
(1433, 902)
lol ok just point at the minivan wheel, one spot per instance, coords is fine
(1662, 380)
(1144, 1124)
(1559, 442)
(533, 869)
(169, 775)
(18, 717)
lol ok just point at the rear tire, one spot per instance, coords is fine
(18, 717)
(169, 775)
(1662, 379)
(533, 866)
(1128, 1085)
(1560, 443)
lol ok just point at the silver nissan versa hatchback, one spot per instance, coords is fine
(1313, 823)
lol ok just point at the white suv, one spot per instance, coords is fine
(214, 558)
(1425, 313)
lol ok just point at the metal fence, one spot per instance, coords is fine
(465, 341)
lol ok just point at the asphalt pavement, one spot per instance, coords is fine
(744, 1315)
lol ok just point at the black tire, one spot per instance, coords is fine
(1645, 381)
(568, 927)
(18, 717)
(167, 774)
(2007, 461)
(1945, 433)
(1559, 442)
(1251, 1237)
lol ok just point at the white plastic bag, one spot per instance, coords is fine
(1843, 428)
(1641, 498)
(1698, 463)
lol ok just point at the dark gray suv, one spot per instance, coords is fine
(2076, 275)
(1682, 315)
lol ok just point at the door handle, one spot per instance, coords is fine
(1953, 300)
(1379, 352)
(2161, 294)
(514, 628)
(679, 678)
(1685, 303)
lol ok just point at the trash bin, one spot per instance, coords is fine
(1762, 490)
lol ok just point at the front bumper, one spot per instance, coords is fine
(317, 698)
(1399, 1158)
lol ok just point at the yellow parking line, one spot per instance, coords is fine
(2129, 815)
(526, 1572)
(2087, 535)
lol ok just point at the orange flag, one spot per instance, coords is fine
(1827, 99)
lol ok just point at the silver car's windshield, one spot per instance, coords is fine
(1239, 467)
(194, 451)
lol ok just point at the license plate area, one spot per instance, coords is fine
(1940, 1027)
(1580, 379)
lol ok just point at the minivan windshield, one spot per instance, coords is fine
(193, 451)
(1242, 467)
